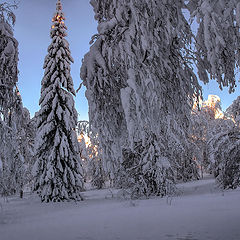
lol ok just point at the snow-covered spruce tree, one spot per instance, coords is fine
(140, 87)
(58, 170)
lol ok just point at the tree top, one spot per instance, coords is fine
(59, 5)
(58, 27)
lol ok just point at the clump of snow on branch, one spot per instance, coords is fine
(140, 87)
(217, 40)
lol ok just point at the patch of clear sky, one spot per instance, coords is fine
(32, 30)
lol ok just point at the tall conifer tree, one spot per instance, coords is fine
(58, 170)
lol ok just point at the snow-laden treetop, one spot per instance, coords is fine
(58, 27)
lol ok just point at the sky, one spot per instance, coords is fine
(32, 30)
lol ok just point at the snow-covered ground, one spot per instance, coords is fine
(200, 212)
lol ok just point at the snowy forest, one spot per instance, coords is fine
(150, 133)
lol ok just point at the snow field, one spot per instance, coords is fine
(200, 212)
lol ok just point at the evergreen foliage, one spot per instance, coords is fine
(58, 170)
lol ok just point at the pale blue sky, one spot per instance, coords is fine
(32, 32)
